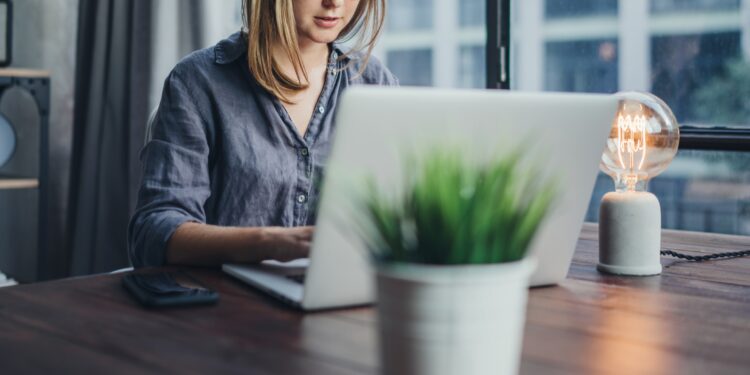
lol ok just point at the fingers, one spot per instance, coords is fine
(291, 242)
(304, 249)
(301, 234)
(299, 250)
(306, 233)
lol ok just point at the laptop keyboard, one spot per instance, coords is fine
(299, 278)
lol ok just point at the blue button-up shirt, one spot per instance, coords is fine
(226, 152)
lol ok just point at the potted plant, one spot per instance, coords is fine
(452, 280)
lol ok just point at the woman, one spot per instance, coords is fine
(242, 133)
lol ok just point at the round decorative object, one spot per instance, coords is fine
(19, 108)
(642, 142)
(7, 140)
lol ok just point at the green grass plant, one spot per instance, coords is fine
(455, 211)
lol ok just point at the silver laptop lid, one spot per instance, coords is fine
(566, 133)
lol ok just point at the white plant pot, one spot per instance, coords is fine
(464, 319)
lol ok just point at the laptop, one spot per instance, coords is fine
(375, 126)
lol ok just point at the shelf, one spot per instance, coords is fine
(18, 183)
(24, 73)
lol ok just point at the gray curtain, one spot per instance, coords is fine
(111, 110)
(191, 25)
(115, 60)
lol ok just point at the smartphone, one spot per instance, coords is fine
(173, 288)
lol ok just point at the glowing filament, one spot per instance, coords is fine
(631, 139)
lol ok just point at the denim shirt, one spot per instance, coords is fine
(224, 151)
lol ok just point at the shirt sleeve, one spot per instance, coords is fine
(175, 183)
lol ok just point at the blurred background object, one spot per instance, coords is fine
(43, 44)
(24, 174)
(6, 32)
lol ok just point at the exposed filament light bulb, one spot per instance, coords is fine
(631, 141)
(642, 142)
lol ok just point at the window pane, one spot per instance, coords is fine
(435, 42)
(662, 6)
(691, 53)
(574, 8)
(472, 67)
(587, 66)
(472, 12)
(685, 70)
(409, 15)
(412, 67)
(701, 190)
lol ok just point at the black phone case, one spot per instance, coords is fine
(150, 298)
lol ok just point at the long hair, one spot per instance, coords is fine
(271, 23)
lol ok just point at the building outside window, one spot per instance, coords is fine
(472, 13)
(683, 68)
(692, 53)
(578, 8)
(435, 42)
(666, 6)
(472, 68)
(408, 15)
(412, 66)
(581, 66)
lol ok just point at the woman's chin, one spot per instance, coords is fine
(324, 37)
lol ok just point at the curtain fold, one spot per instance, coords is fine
(111, 110)
(125, 49)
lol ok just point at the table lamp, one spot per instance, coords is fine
(641, 144)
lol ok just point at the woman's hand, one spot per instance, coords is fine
(197, 244)
(285, 244)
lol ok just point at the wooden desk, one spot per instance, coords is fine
(694, 318)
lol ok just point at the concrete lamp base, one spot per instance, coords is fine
(630, 234)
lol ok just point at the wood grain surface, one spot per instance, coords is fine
(692, 319)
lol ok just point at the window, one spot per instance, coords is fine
(435, 42)
(664, 6)
(588, 65)
(577, 8)
(472, 67)
(471, 12)
(684, 72)
(701, 190)
(409, 15)
(413, 67)
(694, 54)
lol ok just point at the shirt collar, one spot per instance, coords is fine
(233, 47)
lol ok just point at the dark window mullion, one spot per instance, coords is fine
(498, 44)
(723, 139)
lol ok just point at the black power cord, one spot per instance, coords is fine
(731, 254)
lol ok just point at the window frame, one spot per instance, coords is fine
(498, 77)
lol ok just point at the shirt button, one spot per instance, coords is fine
(321, 109)
(303, 151)
(302, 198)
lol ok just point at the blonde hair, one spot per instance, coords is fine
(271, 23)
